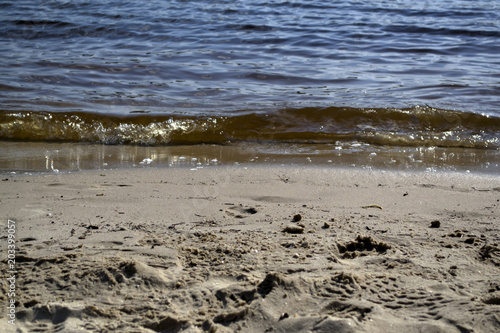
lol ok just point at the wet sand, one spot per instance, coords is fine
(258, 249)
(35, 157)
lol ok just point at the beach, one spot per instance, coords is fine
(265, 166)
(264, 248)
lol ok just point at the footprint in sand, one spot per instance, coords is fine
(241, 211)
(362, 246)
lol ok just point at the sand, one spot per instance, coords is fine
(259, 249)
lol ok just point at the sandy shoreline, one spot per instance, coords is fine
(260, 249)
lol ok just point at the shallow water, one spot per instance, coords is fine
(371, 74)
(18, 158)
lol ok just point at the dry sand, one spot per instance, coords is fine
(263, 249)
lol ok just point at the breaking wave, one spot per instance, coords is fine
(416, 126)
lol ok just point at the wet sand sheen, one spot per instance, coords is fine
(25, 157)
(253, 249)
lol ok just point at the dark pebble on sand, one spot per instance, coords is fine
(284, 316)
(435, 224)
(297, 218)
(251, 210)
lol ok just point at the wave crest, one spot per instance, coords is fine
(417, 126)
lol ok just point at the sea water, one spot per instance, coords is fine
(409, 83)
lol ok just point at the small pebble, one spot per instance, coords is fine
(435, 224)
(284, 316)
(294, 229)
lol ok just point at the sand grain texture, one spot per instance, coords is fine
(223, 250)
